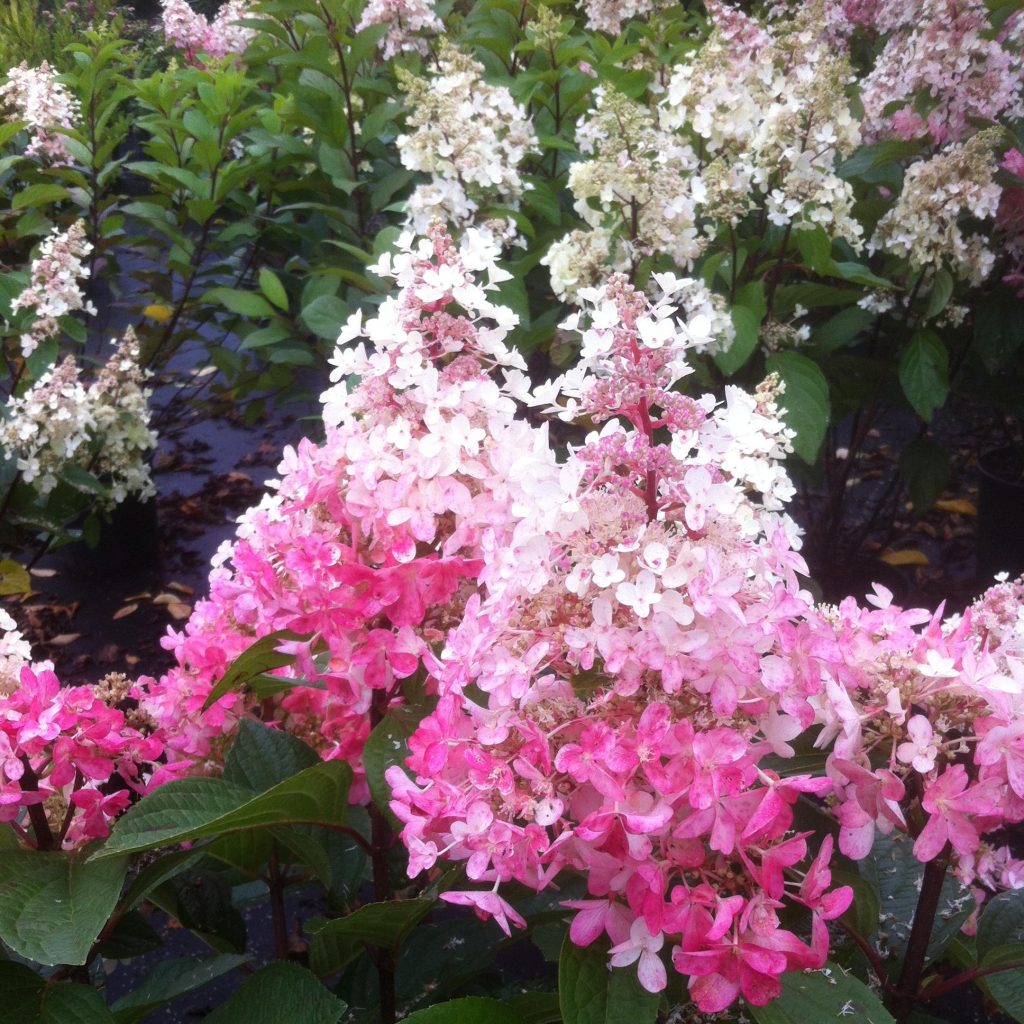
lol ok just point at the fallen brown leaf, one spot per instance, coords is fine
(128, 609)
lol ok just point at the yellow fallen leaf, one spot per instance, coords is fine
(961, 506)
(14, 578)
(160, 313)
(181, 588)
(909, 556)
(179, 610)
(127, 610)
(63, 639)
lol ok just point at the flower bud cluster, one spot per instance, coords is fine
(406, 20)
(35, 96)
(471, 137)
(102, 427)
(53, 289)
(70, 758)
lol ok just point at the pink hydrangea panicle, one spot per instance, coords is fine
(37, 97)
(70, 758)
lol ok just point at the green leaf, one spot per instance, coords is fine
(241, 302)
(816, 248)
(270, 285)
(896, 875)
(387, 746)
(81, 479)
(747, 325)
(170, 979)
(472, 1010)
(843, 328)
(53, 905)
(384, 925)
(324, 316)
(200, 807)
(863, 913)
(857, 273)
(1002, 921)
(590, 993)
(14, 578)
(22, 989)
(998, 330)
(942, 290)
(73, 1004)
(1006, 986)
(39, 195)
(923, 373)
(261, 657)
(262, 756)
(276, 994)
(828, 994)
(805, 402)
(925, 468)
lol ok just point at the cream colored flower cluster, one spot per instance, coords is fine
(471, 137)
(769, 110)
(102, 427)
(608, 15)
(925, 224)
(635, 192)
(406, 20)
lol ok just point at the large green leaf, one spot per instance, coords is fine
(39, 195)
(805, 402)
(387, 745)
(1002, 921)
(472, 1010)
(170, 979)
(384, 925)
(73, 1004)
(998, 330)
(200, 807)
(925, 467)
(241, 302)
(589, 993)
(924, 373)
(278, 993)
(1006, 986)
(54, 905)
(260, 657)
(262, 756)
(896, 874)
(324, 316)
(829, 994)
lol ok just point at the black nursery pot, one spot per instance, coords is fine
(1000, 538)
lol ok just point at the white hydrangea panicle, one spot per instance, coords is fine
(408, 22)
(925, 224)
(102, 427)
(769, 106)
(36, 96)
(394, 346)
(53, 290)
(608, 15)
(471, 137)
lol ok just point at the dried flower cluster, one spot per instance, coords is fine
(925, 223)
